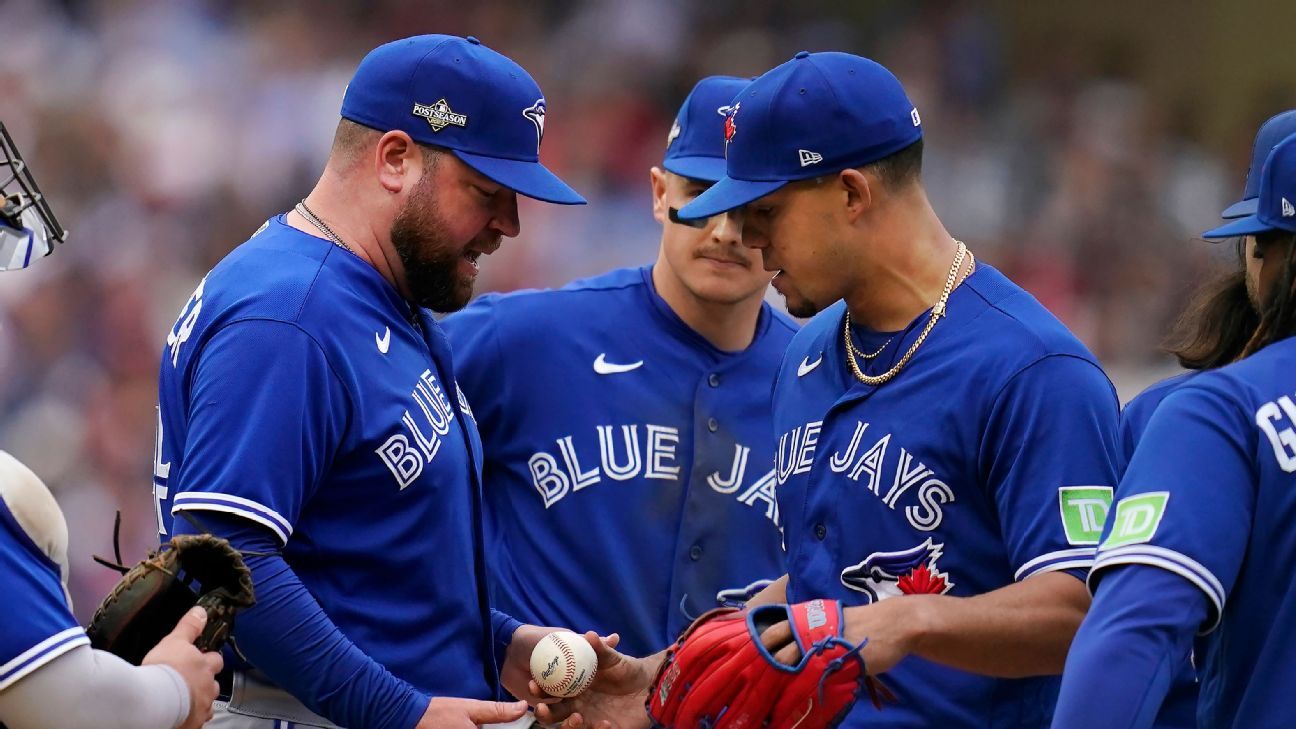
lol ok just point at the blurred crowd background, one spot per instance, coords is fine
(1078, 147)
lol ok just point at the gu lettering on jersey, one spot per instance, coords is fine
(1283, 440)
(796, 453)
(629, 452)
(405, 461)
(1208, 496)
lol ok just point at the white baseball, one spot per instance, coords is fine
(563, 663)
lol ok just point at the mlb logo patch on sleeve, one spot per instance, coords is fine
(1084, 511)
(1136, 519)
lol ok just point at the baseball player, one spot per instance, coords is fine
(625, 420)
(1212, 333)
(310, 411)
(45, 656)
(1216, 327)
(1202, 517)
(946, 447)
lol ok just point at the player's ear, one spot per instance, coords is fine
(857, 192)
(397, 160)
(658, 178)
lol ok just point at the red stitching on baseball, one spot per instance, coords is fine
(571, 664)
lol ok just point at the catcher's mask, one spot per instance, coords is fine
(28, 228)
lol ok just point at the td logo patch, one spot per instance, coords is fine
(1136, 519)
(1084, 511)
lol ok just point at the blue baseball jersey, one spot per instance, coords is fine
(1137, 412)
(1180, 706)
(38, 624)
(1210, 495)
(990, 458)
(300, 391)
(629, 463)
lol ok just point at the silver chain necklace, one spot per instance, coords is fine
(314, 220)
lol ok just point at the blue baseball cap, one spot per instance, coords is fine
(696, 147)
(456, 93)
(1273, 131)
(817, 114)
(1274, 207)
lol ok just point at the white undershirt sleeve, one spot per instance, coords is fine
(85, 688)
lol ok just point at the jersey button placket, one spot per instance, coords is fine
(695, 552)
(713, 380)
(713, 425)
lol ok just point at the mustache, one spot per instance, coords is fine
(728, 254)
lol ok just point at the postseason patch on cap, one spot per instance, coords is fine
(439, 115)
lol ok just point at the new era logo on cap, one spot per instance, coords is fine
(917, 120)
(809, 158)
(1274, 209)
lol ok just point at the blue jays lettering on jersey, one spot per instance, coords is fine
(990, 458)
(1211, 496)
(296, 392)
(629, 473)
(42, 627)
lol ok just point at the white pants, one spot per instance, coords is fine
(223, 719)
(259, 704)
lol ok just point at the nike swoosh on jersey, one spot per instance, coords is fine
(807, 366)
(383, 342)
(603, 367)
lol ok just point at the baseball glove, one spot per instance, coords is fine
(718, 675)
(152, 596)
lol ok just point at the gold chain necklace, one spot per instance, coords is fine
(937, 312)
(860, 353)
(314, 220)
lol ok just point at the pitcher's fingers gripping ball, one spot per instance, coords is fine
(720, 675)
(563, 664)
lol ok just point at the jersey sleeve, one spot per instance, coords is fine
(266, 416)
(1131, 428)
(475, 342)
(40, 626)
(1186, 502)
(1050, 456)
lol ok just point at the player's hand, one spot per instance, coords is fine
(886, 625)
(444, 712)
(198, 669)
(515, 674)
(615, 700)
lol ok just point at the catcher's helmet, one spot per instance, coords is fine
(28, 228)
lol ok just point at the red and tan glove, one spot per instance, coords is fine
(719, 675)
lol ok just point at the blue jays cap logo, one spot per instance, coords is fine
(536, 113)
(907, 572)
(439, 115)
(730, 127)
